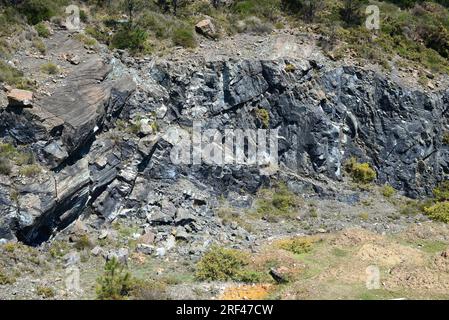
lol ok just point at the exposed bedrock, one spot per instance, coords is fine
(324, 115)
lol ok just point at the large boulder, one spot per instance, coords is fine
(206, 28)
(20, 98)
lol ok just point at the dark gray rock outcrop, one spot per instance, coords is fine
(324, 117)
(69, 118)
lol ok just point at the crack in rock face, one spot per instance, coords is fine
(323, 116)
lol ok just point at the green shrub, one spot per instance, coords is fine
(10, 247)
(50, 68)
(45, 292)
(388, 191)
(10, 21)
(439, 212)
(129, 38)
(405, 3)
(297, 245)
(254, 25)
(360, 172)
(135, 127)
(351, 12)
(38, 10)
(279, 25)
(263, 116)
(42, 30)
(292, 6)
(158, 24)
(251, 276)
(83, 16)
(446, 138)
(307, 9)
(267, 9)
(222, 264)
(290, 68)
(184, 37)
(441, 192)
(116, 283)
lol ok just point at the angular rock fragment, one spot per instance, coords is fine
(20, 98)
(206, 28)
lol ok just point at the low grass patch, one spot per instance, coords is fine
(86, 40)
(13, 77)
(5, 166)
(228, 216)
(83, 243)
(45, 292)
(184, 37)
(10, 155)
(40, 46)
(277, 203)
(441, 192)
(59, 248)
(31, 170)
(42, 30)
(149, 290)
(50, 68)
(432, 246)
(6, 279)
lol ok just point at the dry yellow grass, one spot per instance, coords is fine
(247, 292)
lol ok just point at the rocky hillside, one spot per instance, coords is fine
(86, 169)
(99, 133)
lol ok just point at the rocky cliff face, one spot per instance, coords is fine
(102, 139)
(323, 116)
